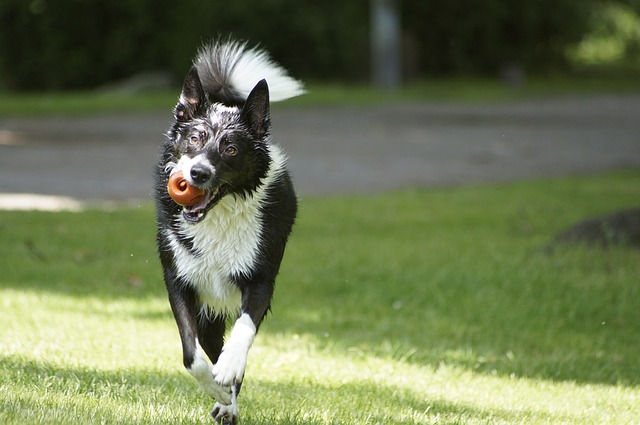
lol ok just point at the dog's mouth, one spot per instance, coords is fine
(196, 213)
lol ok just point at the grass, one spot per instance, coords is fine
(83, 103)
(412, 307)
(325, 94)
(467, 90)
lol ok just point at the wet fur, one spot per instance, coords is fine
(220, 258)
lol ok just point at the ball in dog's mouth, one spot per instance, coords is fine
(195, 201)
(182, 192)
(195, 213)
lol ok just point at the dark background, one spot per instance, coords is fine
(79, 44)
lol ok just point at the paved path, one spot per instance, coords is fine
(340, 149)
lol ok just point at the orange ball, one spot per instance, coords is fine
(182, 192)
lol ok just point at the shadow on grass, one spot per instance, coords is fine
(94, 253)
(463, 285)
(39, 392)
(596, 353)
(42, 393)
(480, 295)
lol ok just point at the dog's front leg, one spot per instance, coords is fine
(256, 298)
(230, 367)
(184, 307)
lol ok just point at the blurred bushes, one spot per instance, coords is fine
(480, 37)
(66, 44)
(614, 37)
(73, 44)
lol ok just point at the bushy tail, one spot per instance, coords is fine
(229, 70)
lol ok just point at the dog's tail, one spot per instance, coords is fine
(229, 70)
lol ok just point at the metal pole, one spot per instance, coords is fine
(385, 44)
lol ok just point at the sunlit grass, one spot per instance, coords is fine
(413, 307)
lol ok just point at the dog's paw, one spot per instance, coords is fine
(201, 371)
(229, 369)
(220, 393)
(225, 414)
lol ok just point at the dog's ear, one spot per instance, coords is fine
(255, 111)
(193, 100)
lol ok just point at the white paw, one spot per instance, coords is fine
(225, 414)
(201, 371)
(230, 367)
(216, 391)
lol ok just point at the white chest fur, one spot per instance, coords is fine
(225, 244)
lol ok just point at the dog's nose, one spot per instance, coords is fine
(200, 173)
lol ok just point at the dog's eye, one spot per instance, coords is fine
(231, 150)
(197, 138)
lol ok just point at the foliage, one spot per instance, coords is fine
(615, 36)
(483, 37)
(72, 44)
(414, 307)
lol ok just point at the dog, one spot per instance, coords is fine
(221, 255)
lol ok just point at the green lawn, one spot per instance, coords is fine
(467, 90)
(413, 307)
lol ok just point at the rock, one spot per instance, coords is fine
(621, 228)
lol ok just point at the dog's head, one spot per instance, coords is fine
(219, 148)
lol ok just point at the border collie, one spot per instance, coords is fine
(221, 254)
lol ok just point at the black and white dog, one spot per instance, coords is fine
(221, 256)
